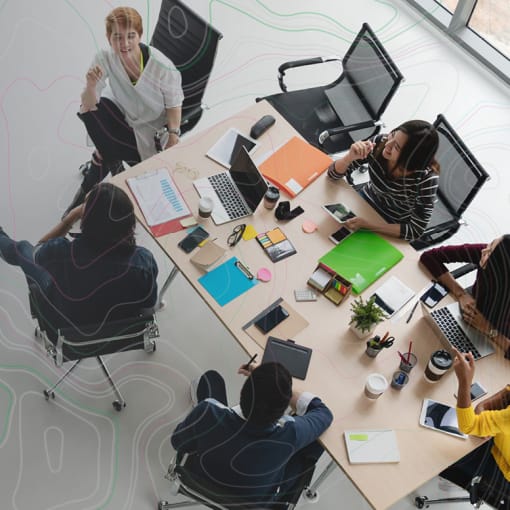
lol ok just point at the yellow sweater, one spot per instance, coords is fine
(490, 423)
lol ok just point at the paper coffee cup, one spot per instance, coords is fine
(205, 207)
(438, 365)
(375, 386)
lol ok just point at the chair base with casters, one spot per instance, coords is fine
(96, 341)
(202, 492)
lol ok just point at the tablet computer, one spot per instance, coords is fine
(226, 148)
(339, 211)
(440, 417)
(295, 358)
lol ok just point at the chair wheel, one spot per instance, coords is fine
(118, 406)
(48, 394)
(419, 501)
(311, 496)
(162, 504)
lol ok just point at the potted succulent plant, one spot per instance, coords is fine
(365, 316)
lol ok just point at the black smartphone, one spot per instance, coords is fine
(271, 319)
(339, 235)
(434, 294)
(477, 391)
(193, 239)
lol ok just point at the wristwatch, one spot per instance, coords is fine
(174, 131)
(492, 334)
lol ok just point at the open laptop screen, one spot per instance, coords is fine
(248, 179)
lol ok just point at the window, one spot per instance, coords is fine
(482, 27)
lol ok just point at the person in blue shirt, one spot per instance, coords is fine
(101, 275)
(252, 451)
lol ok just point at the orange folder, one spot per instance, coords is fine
(295, 165)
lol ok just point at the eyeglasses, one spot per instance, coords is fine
(236, 234)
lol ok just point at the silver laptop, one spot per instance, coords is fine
(235, 193)
(453, 331)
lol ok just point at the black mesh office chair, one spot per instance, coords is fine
(190, 43)
(460, 179)
(94, 340)
(332, 117)
(203, 492)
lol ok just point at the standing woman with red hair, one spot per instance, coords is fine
(132, 90)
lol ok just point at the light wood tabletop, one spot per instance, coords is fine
(339, 365)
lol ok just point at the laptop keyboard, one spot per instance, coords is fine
(448, 325)
(228, 196)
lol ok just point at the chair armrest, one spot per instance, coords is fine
(351, 127)
(301, 63)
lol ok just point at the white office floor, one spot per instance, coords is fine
(77, 452)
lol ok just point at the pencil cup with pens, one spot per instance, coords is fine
(376, 344)
(401, 376)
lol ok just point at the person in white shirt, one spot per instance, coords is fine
(132, 90)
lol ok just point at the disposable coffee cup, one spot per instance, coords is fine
(438, 365)
(271, 197)
(375, 386)
(205, 207)
(399, 379)
(407, 362)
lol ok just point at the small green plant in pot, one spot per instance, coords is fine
(365, 316)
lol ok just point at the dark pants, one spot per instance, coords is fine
(212, 385)
(494, 487)
(114, 140)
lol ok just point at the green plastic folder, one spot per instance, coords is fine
(362, 258)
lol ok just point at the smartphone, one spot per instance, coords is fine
(339, 235)
(339, 211)
(193, 239)
(271, 319)
(477, 391)
(434, 294)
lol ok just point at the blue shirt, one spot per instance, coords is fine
(88, 287)
(248, 461)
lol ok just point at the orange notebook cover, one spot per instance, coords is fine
(295, 165)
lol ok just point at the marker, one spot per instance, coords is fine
(412, 311)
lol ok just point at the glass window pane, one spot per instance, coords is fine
(491, 20)
(450, 5)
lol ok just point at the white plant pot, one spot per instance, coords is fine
(362, 334)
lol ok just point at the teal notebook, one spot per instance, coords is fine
(226, 282)
(362, 258)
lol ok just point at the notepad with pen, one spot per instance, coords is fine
(276, 244)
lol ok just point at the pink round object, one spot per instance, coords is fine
(309, 226)
(263, 274)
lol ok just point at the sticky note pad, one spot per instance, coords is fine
(249, 233)
(276, 235)
(358, 437)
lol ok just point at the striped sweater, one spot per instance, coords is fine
(406, 200)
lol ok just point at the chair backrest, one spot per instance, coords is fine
(98, 340)
(371, 72)
(461, 174)
(190, 43)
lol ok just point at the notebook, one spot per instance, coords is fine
(447, 322)
(295, 165)
(235, 193)
(392, 295)
(362, 258)
(371, 446)
(294, 357)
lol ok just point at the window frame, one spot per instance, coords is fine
(456, 27)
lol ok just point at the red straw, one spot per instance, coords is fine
(409, 351)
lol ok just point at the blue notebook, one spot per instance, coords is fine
(362, 258)
(226, 282)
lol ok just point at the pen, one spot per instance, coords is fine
(402, 357)
(244, 270)
(252, 359)
(412, 311)
(409, 352)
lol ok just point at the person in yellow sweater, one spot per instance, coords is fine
(491, 417)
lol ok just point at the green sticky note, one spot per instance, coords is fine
(358, 437)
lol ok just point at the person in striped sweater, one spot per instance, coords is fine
(404, 177)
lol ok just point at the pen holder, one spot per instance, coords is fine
(399, 379)
(373, 348)
(407, 362)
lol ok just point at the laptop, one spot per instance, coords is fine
(447, 322)
(237, 192)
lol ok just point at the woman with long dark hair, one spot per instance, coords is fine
(403, 178)
(487, 308)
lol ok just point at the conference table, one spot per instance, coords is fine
(339, 365)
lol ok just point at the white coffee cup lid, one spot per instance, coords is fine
(377, 383)
(206, 203)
